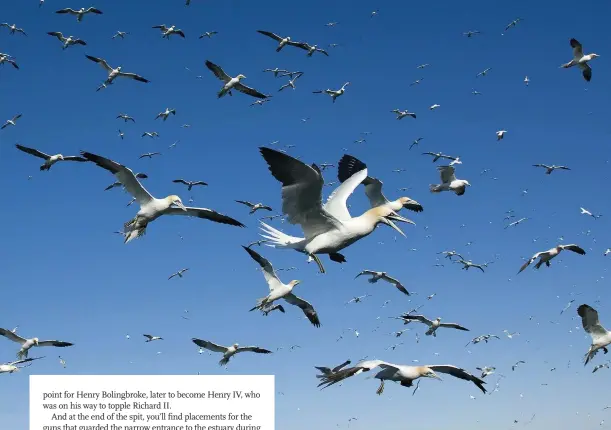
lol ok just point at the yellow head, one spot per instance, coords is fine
(240, 76)
(35, 340)
(428, 373)
(175, 201)
(294, 283)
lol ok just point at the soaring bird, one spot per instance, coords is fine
(550, 169)
(328, 228)
(13, 366)
(310, 48)
(580, 60)
(11, 122)
(438, 155)
(189, 184)
(50, 160)
(450, 254)
(275, 71)
(500, 134)
(120, 34)
(67, 41)
(166, 113)
(486, 371)
(166, 32)
(282, 41)
(547, 256)
(433, 325)
(80, 13)
(471, 33)
(149, 155)
(254, 207)
(228, 351)
(126, 117)
(484, 72)
(376, 276)
(405, 375)
(468, 264)
(513, 23)
(291, 82)
(601, 337)
(150, 338)
(278, 290)
(151, 134)
(152, 208)
(208, 34)
(232, 83)
(5, 58)
(333, 93)
(114, 73)
(13, 28)
(179, 273)
(326, 371)
(26, 344)
(403, 113)
(449, 182)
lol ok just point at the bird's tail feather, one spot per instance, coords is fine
(277, 238)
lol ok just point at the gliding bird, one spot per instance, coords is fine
(228, 351)
(580, 60)
(547, 256)
(114, 73)
(232, 83)
(26, 344)
(376, 276)
(433, 325)
(601, 337)
(50, 160)
(80, 13)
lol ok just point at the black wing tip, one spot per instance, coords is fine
(347, 166)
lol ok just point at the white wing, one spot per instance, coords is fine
(590, 322)
(336, 204)
(447, 174)
(373, 190)
(268, 270)
(12, 336)
(209, 345)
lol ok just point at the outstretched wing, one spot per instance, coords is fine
(268, 269)
(67, 10)
(218, 72)
(204, 213)
(529, 262)
(25, 360)
(57, 34)
(366, 272)
(420, 318)
(447, 174)
(336, 203)
(305, 306)
(341, 366)
(12, 336)
(133, 76)
(253, 349)
(57, 343)
(250, 91)
(34, 152)
(209, 345)
(363, 366)
(269, 34)
(577, 48)
(575, 248)
(454, 325)
(101, 62)
(590, 322)
(457, 372)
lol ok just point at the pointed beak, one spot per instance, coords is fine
(180, 205)
(396, 217)
(388, 222)
(436, 376)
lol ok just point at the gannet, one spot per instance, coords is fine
(50, 160)
(13, 28)
(26, 344)
(373, 187)
(500, 134)
(149, 155)
(433, 325)
(5, 58)
(310, 48)
(376, 276)
(513, 367)
(119, 184)
(484, 337)
(13, 366)
(166, 32)
(516, 222)
(587, 212)
(80, 13)
(357, 299)
(179, 273)
(150, 338)
(276, 71)
(476, 93)
(601, 338)
(152, 208)
(468, 264)
(120, 34)
(208, 34)
(126, 117)
(291, 82)
(580, 60)
(165, 114)
(189, 184)
(278, 290)
(422, 66)
(600, 366)
(526, 80)
(151, 134)
(450, 254)
(487, 370)
(416, 82)
(259, 102)
(232, 83)
(435, 106)
(67, 41)
(11, 121)
(331, 24)
(513, 23)
(254, 207)
(114, 73)
(415, 142)
(121, 134)
(405, 375)
(282, 41)
(449, 182)
(471, 33)
(332, 93)
(62, 362)
(328, 228)
(326, 371)
(403, 113)
(228, 351)
(484, 72)
(550, 169)
(546, 256)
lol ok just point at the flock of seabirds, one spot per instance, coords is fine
(328, 226)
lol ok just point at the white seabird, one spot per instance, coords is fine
(150, 338)
(500, 134)
(67, 41)
(126, 117)
(254, 207)
(13, 366)
(487, 370)
(468, 263)
(165, 114)
(114, 73)
(232, 83)
(484, 72)
(435, 106)
(282, 41)
(151, 134)
(546, 256)
(403, 113)
(152, 208)
(166, 32)
(449, 182)
(11, 121)
(328, 228)
(471, 33)
(291, 82)
(179, 273)
(149, 155)
(228, 351)
(26, 344)
(50, 160)
(601, 337)
(80, 13)
(433, 325)
(587, 212)
(513, 23)
(120, 34)
(550, 169)
(13, 28)
(376, 276)
(580, 60)
(189, 184)
(405, 375)
(311, 48)
(333, 93)
(5, 58)
(275, 71)
(208, 34)
(526, 80)
(278, 290)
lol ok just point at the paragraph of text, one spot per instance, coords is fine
(145, 402)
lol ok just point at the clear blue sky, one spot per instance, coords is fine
(66, 276)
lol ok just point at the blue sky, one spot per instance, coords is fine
(66, 276)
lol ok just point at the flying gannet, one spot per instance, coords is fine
(580, 60)
(468, 264)
(120, 34)
(282, 41)
(405, 375)
(487, 370)
(291, 82)
(67, 41)
(450, 254)
(328, 228)
(433, 325)
(149, 155)
(550, 169)
(5, 58)
(150, 338)
(126, 117)
(403, 113)
(208, 34)
(114, 73)
(334, 94)
(500, 134)
(310, 48)
(80, 13)
(13, 28)
(449, 182)
(151, 134)
(228, 351)
(376, 276)
(165, 114)
(484, 72)
(179, 273)
(152, 208)
(11, 122)
(166, 32)
(587, 212)
(601, 338)
(50, 160)
(13, 366)
(278, 290)
(484, 337)
(26, 344)
(254, 207)
(547, 256)
(232, 83)
(471, 33)
(373, 187)
(275, 71)
(435, 106)
(513, 23)
(189, 184)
